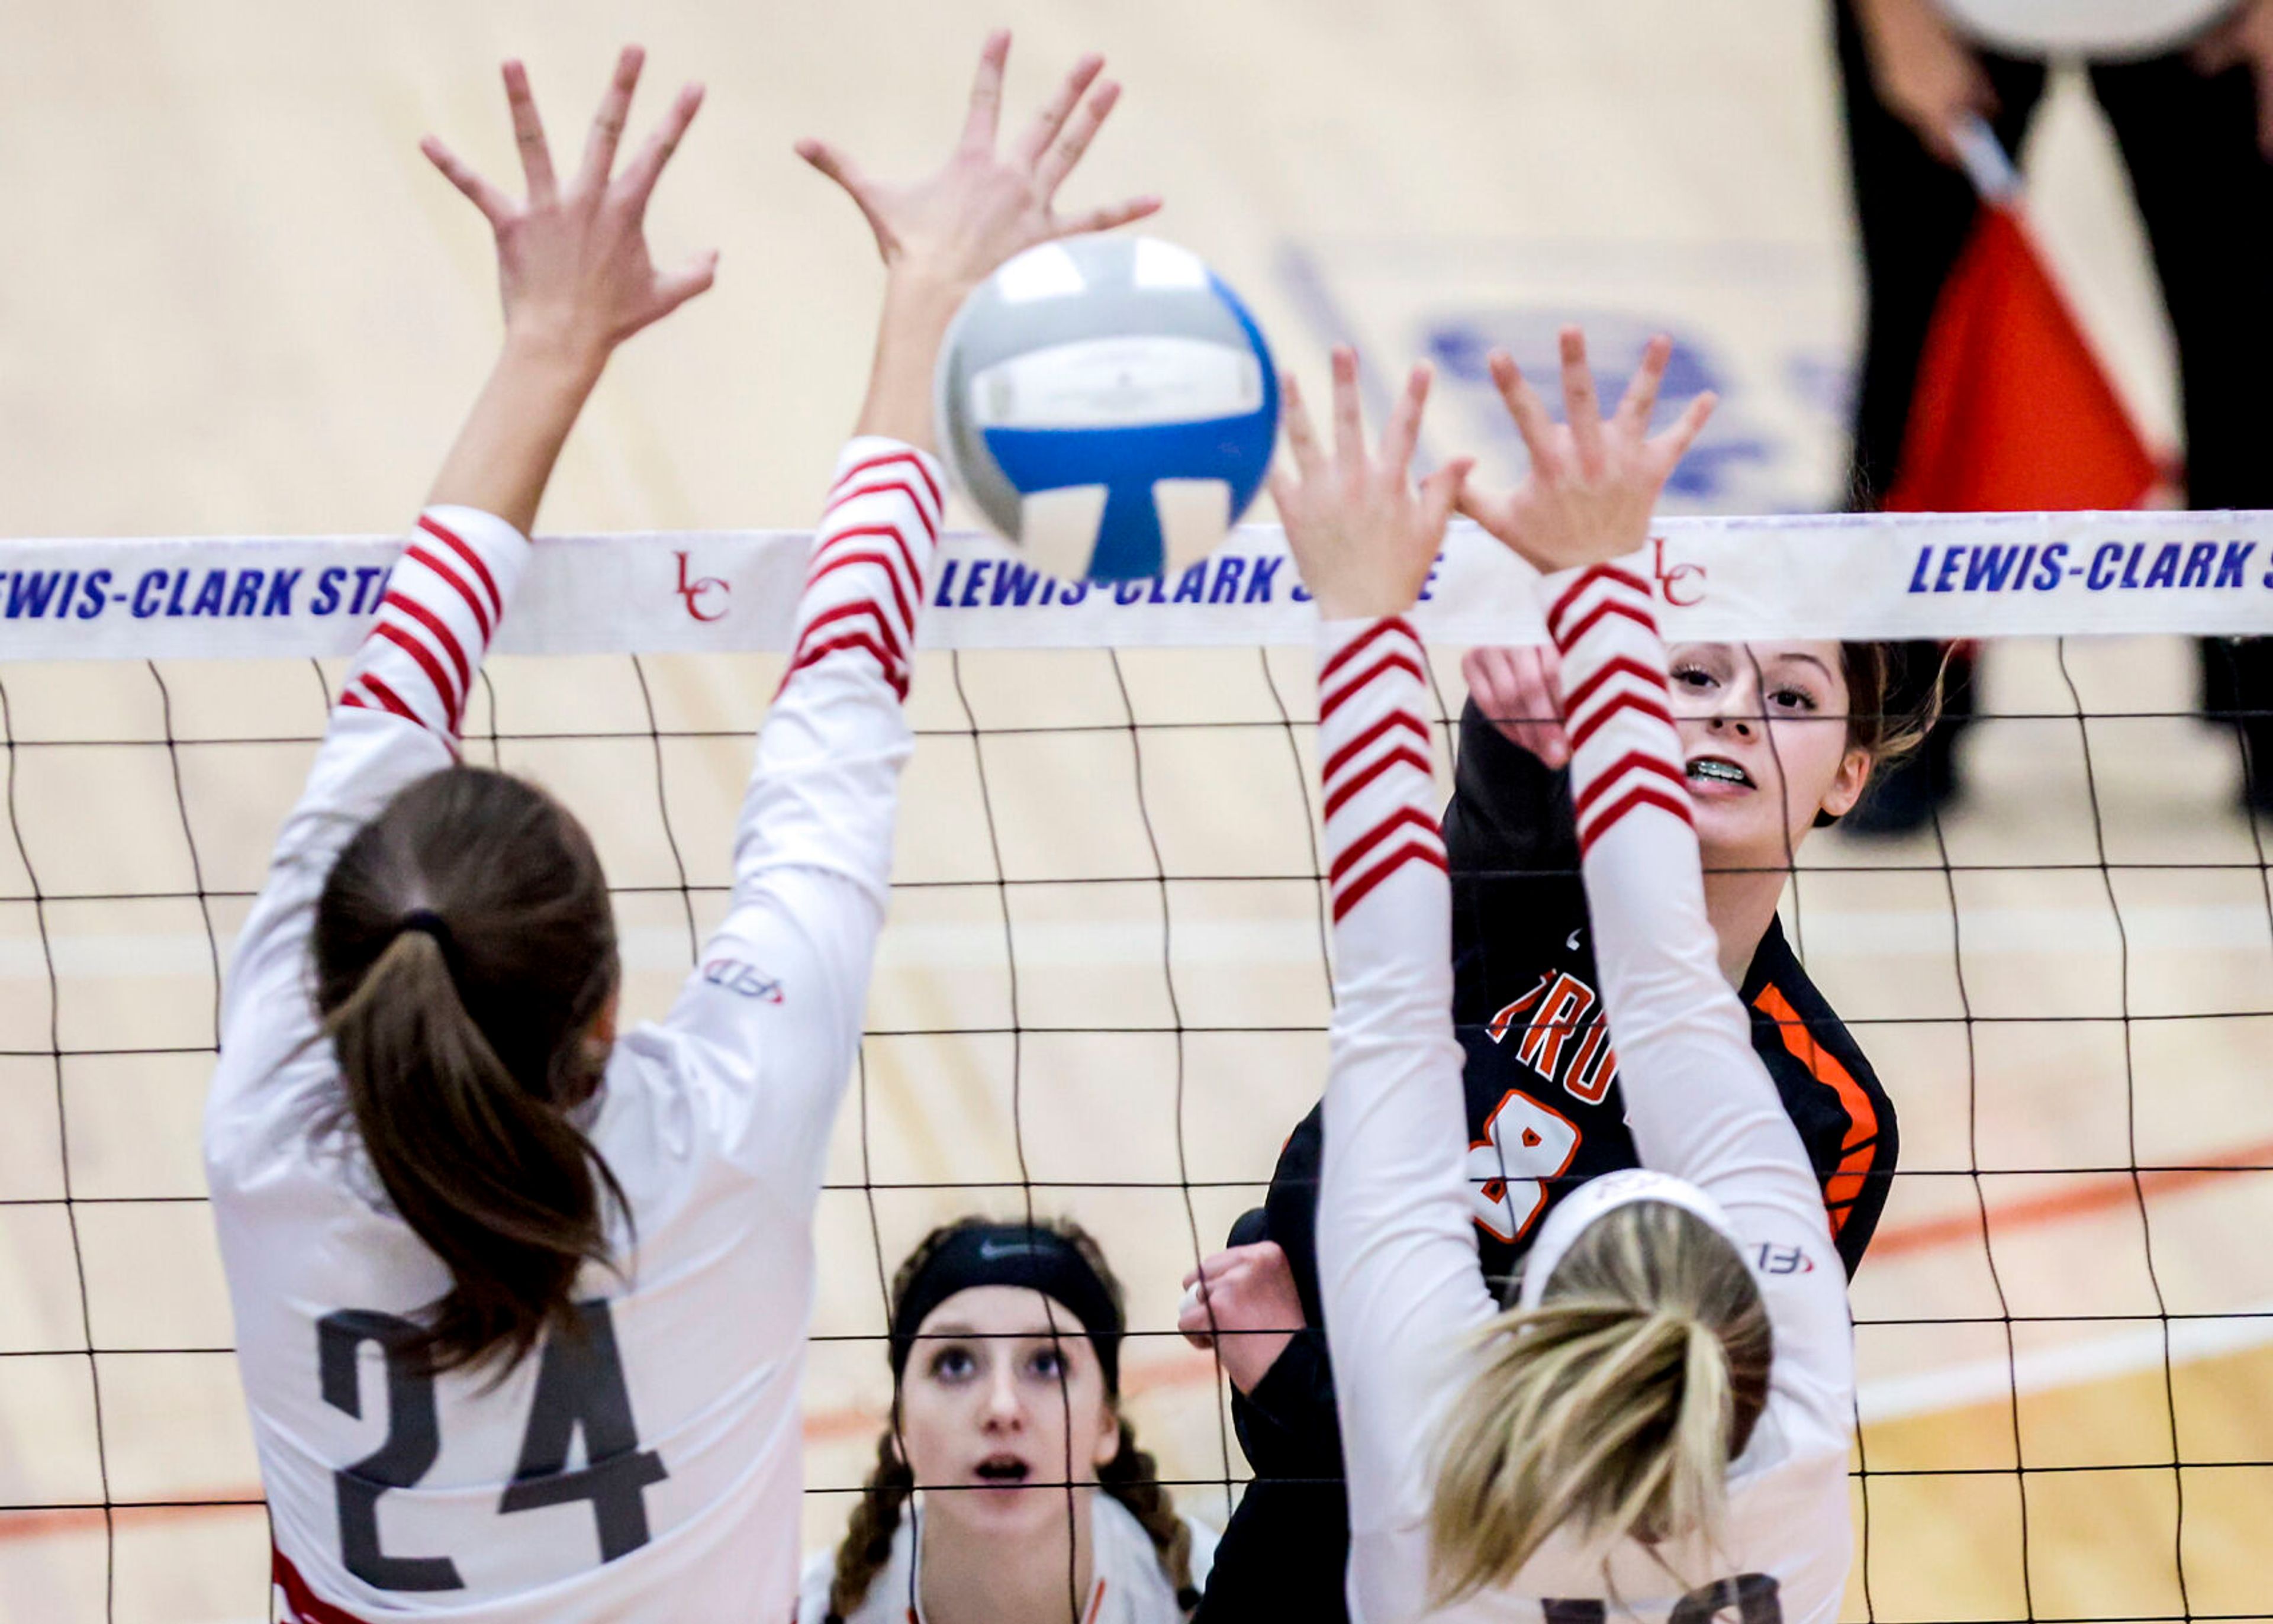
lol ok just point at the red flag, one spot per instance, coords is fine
(2013, 410)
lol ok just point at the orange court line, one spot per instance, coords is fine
(2100, 1192)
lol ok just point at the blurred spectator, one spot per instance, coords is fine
(2187, 87)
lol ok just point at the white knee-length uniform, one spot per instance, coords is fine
(650, 1469)
(1397, 1255)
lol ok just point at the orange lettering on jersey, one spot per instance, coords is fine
(1593, 1068)
(1500, 1021)
(1566, 1002)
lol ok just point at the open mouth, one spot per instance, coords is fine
(1713, 770)
(1004, 1471)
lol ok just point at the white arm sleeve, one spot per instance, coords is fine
(397, 720)
(1397, 1250)
(1701, 1103)
(773, 1013)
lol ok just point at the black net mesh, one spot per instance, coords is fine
(1102, 996)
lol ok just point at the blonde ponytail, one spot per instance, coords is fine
(1614, 1408)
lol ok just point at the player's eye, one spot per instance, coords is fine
(1793, 698)
(953, 1363)
(1696, 678)
(1048, 1364)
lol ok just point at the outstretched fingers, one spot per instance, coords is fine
(1349, 425)
(640, 175)
(1532, 421)
(1108, 218)
(677, 289)
(529, 136)
(1495, 512)
(1301, 439)
(836, 165)
(1581, 410)
(1035, 139)
(1402, 432)
(1667, 449)
(978, 125)
(608, 122)
(1634, 411)
(1440, 494)
(495, 205)
(1057, 162)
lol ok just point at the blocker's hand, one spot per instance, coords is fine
(983, 206)
(1519, 691)
(573, 264)
(1593, 485)
(1242, 1303)
(1363, 537)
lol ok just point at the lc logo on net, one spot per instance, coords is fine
(705, 595)
(1680, 585)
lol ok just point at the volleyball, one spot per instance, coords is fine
(1108, 405)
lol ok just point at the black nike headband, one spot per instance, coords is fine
(1012, 1254)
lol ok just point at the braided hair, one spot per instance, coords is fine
(1131, 1477)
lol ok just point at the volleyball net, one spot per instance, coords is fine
(1104, 991)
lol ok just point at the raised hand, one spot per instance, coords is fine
(1592, 483)
(982, 206)
(573, 264)
(1363, 537)
(1519, 691)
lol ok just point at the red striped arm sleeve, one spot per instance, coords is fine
(1379, 794)
(1397, 1249)
(1699, 1099)
(1626, 759)
(872, 561)
(442, 603)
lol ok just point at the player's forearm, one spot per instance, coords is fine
(1397, 1262)
(503, 456)
(444, 600)
(825, 790)
(918, 308)
(1393, 1137)
(402, 705)
(1699, 1103)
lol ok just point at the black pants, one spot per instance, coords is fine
(2205, 192)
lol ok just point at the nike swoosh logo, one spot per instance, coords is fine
(1571, 942)
(991, 1250)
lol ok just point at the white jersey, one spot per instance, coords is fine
(1397, 1256)
(1127, 1584)
(2103, 29)
(651, 1469)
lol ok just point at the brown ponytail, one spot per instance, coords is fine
(1131, 1477)
(465, 951)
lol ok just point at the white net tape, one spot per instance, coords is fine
(1855, 576)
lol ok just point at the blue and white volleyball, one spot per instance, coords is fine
(1109, 407)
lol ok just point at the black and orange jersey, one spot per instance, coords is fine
(1544, 1112)
(1544, 1116)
